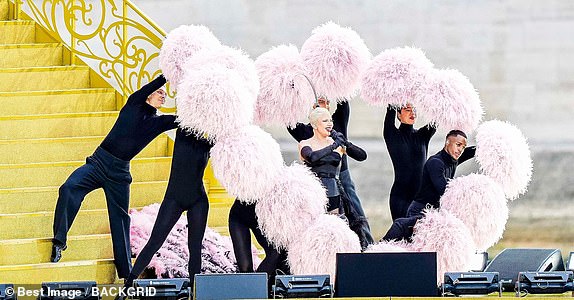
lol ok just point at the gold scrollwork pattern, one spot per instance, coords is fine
(113, 37)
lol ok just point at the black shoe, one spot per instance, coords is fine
(57, 252)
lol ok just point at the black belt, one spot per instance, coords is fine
(326, 175)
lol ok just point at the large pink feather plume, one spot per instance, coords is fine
(390, 246)
(213, 100)
(480, 204)
(246, 161)
(335, 57)
(180, 44)
(233, 60)
(503, 154)
(295, 201)
(449, 99)
(445, 234)
(316, 249)
(395, 76)
(285, 95)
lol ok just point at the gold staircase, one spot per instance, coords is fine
(52, 115)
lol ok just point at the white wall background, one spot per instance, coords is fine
(519, 54)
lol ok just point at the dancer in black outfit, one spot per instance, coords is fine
(242, 219)
(437, 171)
(185, 192)
(108, 168)
(356, 213)
(408, 148)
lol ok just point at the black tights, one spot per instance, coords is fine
(242, 218)
(169, 212)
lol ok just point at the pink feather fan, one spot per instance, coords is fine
(285, 95)
(314, 252)
(233, 60)
(449, 99)
(295, 201)
(479, 202)
(445, 234)
(246, 161)
(390, 246)
(213, 100)
(180, 44)
(503, 154)
(395, 76)
(335, 57)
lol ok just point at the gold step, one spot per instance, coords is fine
(38, 199)
(4, 10)
(36, 251)
(102, 271)
(57, 101)
(56, 125)
(17, 32)
(30, 55)
(66, 149)
(87, 222)
(44, 78)
(54, 174)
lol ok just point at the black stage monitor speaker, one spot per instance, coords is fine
(165, 289)
(557, 282)
(7, 292)
(231, 286)
(510, 262)
(386, 274)
(79, 290)
(471, 283)
(302, 286)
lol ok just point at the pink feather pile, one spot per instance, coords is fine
(295, 201)
(395, 76)
(172, 258)
(480, 204)
(335, 58)
(180, 44)
(285, 95)
(503, 154)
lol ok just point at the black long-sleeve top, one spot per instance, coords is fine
(408, 148)
(437, 171)
(340, 124)
(137, 124)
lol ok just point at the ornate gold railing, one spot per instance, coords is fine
(113, 37)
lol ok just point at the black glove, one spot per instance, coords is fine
(339, 138)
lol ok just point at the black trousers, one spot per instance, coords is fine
(185, 192)
(399, 205)
(102, 170)
(402, 228)
(169, 212)
(242, 219)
